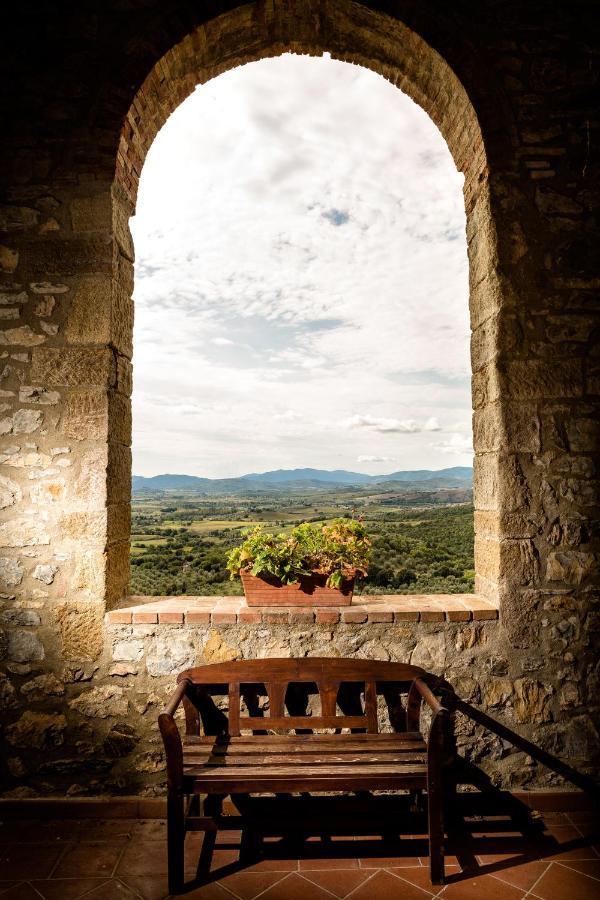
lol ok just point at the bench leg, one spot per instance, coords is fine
(175, 841)
(435, 812)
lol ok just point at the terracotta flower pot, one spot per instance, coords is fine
(311, 590)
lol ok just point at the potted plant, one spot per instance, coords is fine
(315, 565)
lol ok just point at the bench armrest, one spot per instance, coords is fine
(171, 737)
(419, 691)
(429, 697)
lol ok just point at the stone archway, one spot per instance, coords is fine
(383, 45)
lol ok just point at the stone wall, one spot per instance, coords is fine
(513, 89)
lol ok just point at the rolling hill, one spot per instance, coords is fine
(306, 480)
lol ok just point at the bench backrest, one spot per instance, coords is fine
(279, 679)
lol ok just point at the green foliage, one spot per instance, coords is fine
(339, 550)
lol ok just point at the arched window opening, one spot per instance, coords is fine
(301, 304)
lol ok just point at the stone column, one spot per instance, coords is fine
(65, 303)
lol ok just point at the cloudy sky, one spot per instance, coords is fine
(301, 280)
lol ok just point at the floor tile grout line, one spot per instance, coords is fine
(225, 887)
(284, 875)
(60, 856)
(96, 887)
(308, 881)
(33, 888)
(566, 865)
(119, 858)
(362, 884)
(537, 881)
(404, 880)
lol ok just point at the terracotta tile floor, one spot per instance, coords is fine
(97, 859)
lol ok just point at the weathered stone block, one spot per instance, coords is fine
(129, 650)
(11, 571)
(496, 692)
(20, 618)
(430, 652)
(118, 472)
(101, 313)
(539, 379)
(90, 485)
(21, 336)
(24, 646)
(37, 730)
(85, 415)
(23, 533)
(531, 701)
(66, 257)
(92, 213)
(170, 653)
(8, 695)
(43, 686)
(101, 702)
(570, 566)
(117, 572)
(73, 367)
(10, 492)
(80, 626)
(84, 527)
(45, 572)
(216, 649)
(119, 522)
(9, 259)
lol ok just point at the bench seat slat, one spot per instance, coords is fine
(288, 782)
(316, 759)
(301, 740)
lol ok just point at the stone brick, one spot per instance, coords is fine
(91, 213)
(101, 313)
(197, 617)
(11, 571)
(24, 646)
(117, 562)
(223, 618)
(80, 629)
(378, 617)
(129, 650)
(327, 616)
(246, 616)
(68, 367)
(100, 702)
(23, 533)
(531, 701)
(169, 654)
(170, 618)
(355, 616)
(144, 618)
(37, 730)
(537, 379)
(216, 649)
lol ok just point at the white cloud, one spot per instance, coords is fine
(299, 246)
(373, 459)
(456, 445)
(408, 426)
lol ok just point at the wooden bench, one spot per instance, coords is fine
(244, 752)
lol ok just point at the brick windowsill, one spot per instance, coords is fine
(375, 609)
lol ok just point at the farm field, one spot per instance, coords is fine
(422, 541)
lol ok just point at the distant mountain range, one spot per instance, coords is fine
(306, 480)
